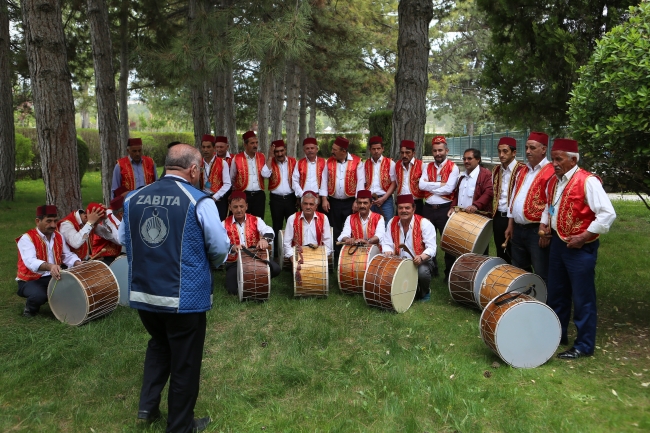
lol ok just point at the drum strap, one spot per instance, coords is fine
(254, 256)
(498, 302)
(405, 248)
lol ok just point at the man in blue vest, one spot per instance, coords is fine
(173, 235)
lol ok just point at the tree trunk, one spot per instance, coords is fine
(230, 112)
(53, 102)
(107, 122)
(7, 134)
(411, 80)
(293, 101)
(312, 111)
(219, 103)
(200, 112)
(263, 97)
(277, 105)
(124, 76)
(85, 115)
(302, 123)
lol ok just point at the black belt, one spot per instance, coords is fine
(284, 196)
(501, 214)
(438, 206)
(254, 192)
(528, 226)
(342, 199)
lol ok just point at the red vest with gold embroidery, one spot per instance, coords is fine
(536, 195)
(496, 182)
(240, 182)
(384, 173)
(573, 213)
(215, 177)
(276, 175)
(251, 233)
(432, 172)
(24, 273)
(350, 186)
(418, 239)
(297, 228)
(99, 243)
(414, 178)
(357, 227)
(126, 171)
(302, 171)
(82, 251)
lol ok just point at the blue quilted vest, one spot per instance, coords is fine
(171, 271)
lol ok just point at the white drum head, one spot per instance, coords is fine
(240, 277)
(67, 298)
(482, 272)
(120, 268)
(523, 282)
(405, 284)
(483, 239)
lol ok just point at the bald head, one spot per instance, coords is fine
(183, 160)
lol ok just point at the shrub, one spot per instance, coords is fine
(83, 156)
(24, 154)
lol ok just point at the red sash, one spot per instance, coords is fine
(251, 233)
(573, 213)
(297, 228)
(126, 171)
(414, 178)
(215, 177)
(276, 178)
(384, 173)
(496, 182)
(24, 273)
(357, 226)
(241, 180)
(82, 251)
(432, 172)
(350, 186)
(536, 196)
(302, 171)
(418, 240)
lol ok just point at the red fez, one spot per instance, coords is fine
(364, 193)
(119, 191)
(92, 206)
(565, 145)
(539, 137)
(508, 141)
(210, 138)
(376, 139)
(438, 139)
(237, 195)
(408, 144)
(117, 203)
(309, 140)
(135, 142)
(342, 142)
(278, 143)
(47, 209)
(315, 194)
(221, 139)
(405, 198)
(248, 134)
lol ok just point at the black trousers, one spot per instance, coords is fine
(35, 291)
(282, 207)
(437, 214)
(256, 203)
(340, 209)
(499, 225)
(222, 205)
(232, 286)
(175, 349)
(419, 207)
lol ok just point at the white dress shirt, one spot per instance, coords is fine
(597, 200)
(341, 169)
(308, 234)
(75, 238)
(516, 209)
(262, 229)
(506, 174)
(375, 186)
(435, 186)
(253, 171)
(27, 251)
(466, 188)
(285, 181)
(347, 228)
(114, 227)
(406, 173)
(225, 178)
(428, 236)
(311, 181)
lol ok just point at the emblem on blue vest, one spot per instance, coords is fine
(154, 226)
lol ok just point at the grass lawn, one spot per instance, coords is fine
(317, 365)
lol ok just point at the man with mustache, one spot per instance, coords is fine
(364, 226)
(408, 172)
(134, 170)
(246, 174)
(308, 173)
(380, 178)
(307, 227)
(216, 173)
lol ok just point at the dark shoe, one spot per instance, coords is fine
(27, 313)
(200, 424)
(426, 298)
(572, 353)
(564, 341)
(149, 416)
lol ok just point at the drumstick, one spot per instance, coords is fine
(505, 244)
(103, 250)
(407, 250)
(480, 212)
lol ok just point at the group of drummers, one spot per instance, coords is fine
(546, 216)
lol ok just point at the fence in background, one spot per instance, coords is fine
(488, 143)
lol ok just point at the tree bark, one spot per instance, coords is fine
(124, 76)
(107, 121)
(293, 101)
(219, 103)
(263, 97)
(313, 97)
(85, 115)
(230, 112)
(277, 105)
(7, 133)
(411, 80)
(200, 112)
(302, 123)
(53, 102)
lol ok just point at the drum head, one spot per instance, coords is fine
(481, 273)
(240, 277)
(67, 298)
(120, 268)
(523, 282)
(405, 284)
(280, 258)
(483, 239)
(527, 334)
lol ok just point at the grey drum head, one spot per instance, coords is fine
(68, 299)
(523, 282)
(240, 277)
(482, 272)
(484, 238)
(120, 268)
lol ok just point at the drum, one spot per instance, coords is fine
(466, 233)
(390, 283)
(120, 268)
(281, 259)
(353, 262)
(83, 293)
(522, 331)
(253, 276)
(330, 258)
(310, 274)
(508, 278)
(466, 276)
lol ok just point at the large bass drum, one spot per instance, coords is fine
(466, 233)
(508, 278)
(253, 276)
(120, 268)
(353, 263)
(466, 276)
(390, 283)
